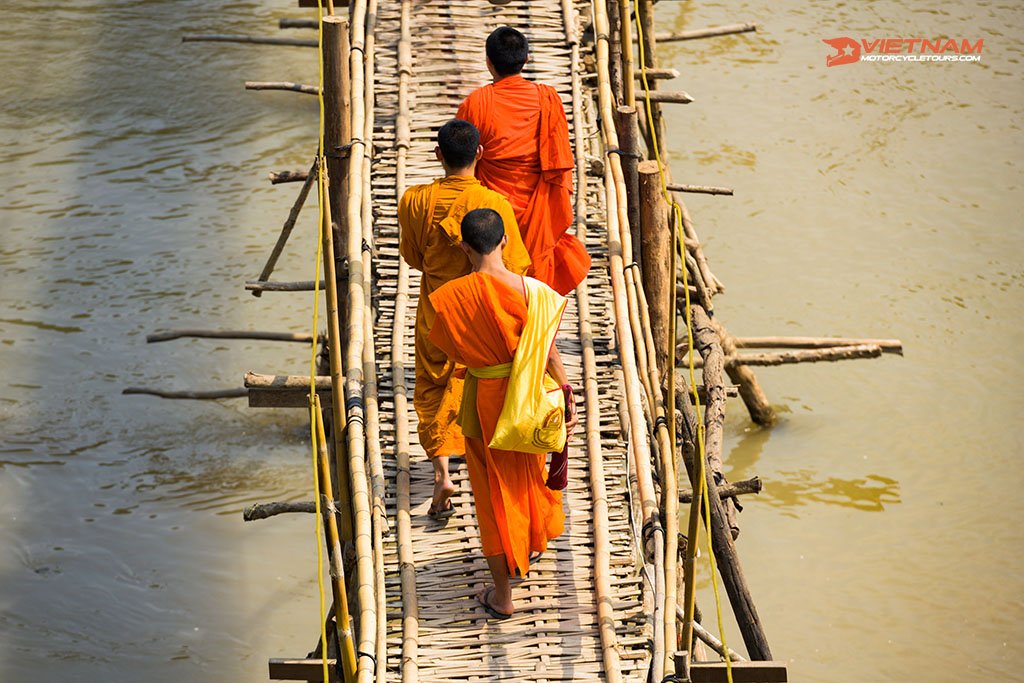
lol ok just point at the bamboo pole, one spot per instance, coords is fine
(591, 392)
(731, 29)
(283, 85)
(639, 447)
(354, 379)
(230, 334)
(373, 437)
(286, 229)
(257, 40)
(344, 628)
(337, 131)
(406, 556)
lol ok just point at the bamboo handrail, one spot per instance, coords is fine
(354, 379)
(406, 557)
(602, 536)
(618, 216)
(374, 458)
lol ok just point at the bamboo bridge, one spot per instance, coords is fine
(612, 598)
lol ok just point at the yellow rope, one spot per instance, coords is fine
(313, 417)
(678, 236)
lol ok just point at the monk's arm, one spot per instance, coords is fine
(408, 244)
(557, 372)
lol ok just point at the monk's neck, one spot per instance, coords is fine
(507, 79)
(460, 172)
(491, 264)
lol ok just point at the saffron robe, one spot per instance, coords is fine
(430, 217)
(527, 157)
(479, 322)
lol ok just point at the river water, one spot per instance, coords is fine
(877, 200)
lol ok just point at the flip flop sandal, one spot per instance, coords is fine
(485, 602)
(444, 513)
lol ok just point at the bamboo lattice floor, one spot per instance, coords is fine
(553, 636)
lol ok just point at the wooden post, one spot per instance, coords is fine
(656, 235)
(629, 143)
(753, 396)
(718, 526)
(626, 38)
(645, 19)
(615, 49)
(337, 132)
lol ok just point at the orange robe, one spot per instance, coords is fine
(479, 321)
(430, 217)
(527, 158)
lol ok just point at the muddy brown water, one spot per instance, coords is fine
(872, 200)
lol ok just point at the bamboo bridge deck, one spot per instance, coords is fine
(611, 600)
(554, 635)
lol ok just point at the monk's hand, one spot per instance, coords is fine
(571, 417)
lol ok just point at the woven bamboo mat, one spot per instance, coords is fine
(554, 634)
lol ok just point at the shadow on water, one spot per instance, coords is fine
(134, 200)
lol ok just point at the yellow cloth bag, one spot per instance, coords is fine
(532, 418)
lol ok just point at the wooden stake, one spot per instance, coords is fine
(257, 40)
(706, 32)
(277, 177)
(283, 85)
(230, 334)
(738, 488)
(677, 97)
(298, 23)
(286, 231)
(657, 254)
(629, 143)
(196, 395)
(887, 345)
(700, 189)
(658, 74)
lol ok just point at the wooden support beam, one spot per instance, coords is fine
(286, 231)
(656, 235)
(298, 23)
(264, 510)
(738, 488)
(256, 40)
(270, 286)
(829, 355)
(283, 85)
(286, 398)
(742, 672)
(255, 380)
(658, 74)
(302, 669)
(664, 96)
(626, 125)
(699, 189)
(711, 32)
(229, 334)
(887, 345)
(197, 395)
(278, 177)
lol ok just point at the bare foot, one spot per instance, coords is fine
(444, 487)
(499, 609)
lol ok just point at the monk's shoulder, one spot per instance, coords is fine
(451, 292)
(414, 201)
(490, 199)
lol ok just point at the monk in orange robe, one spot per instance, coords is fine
(527, 157)
(430, 217)
(480, 318)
